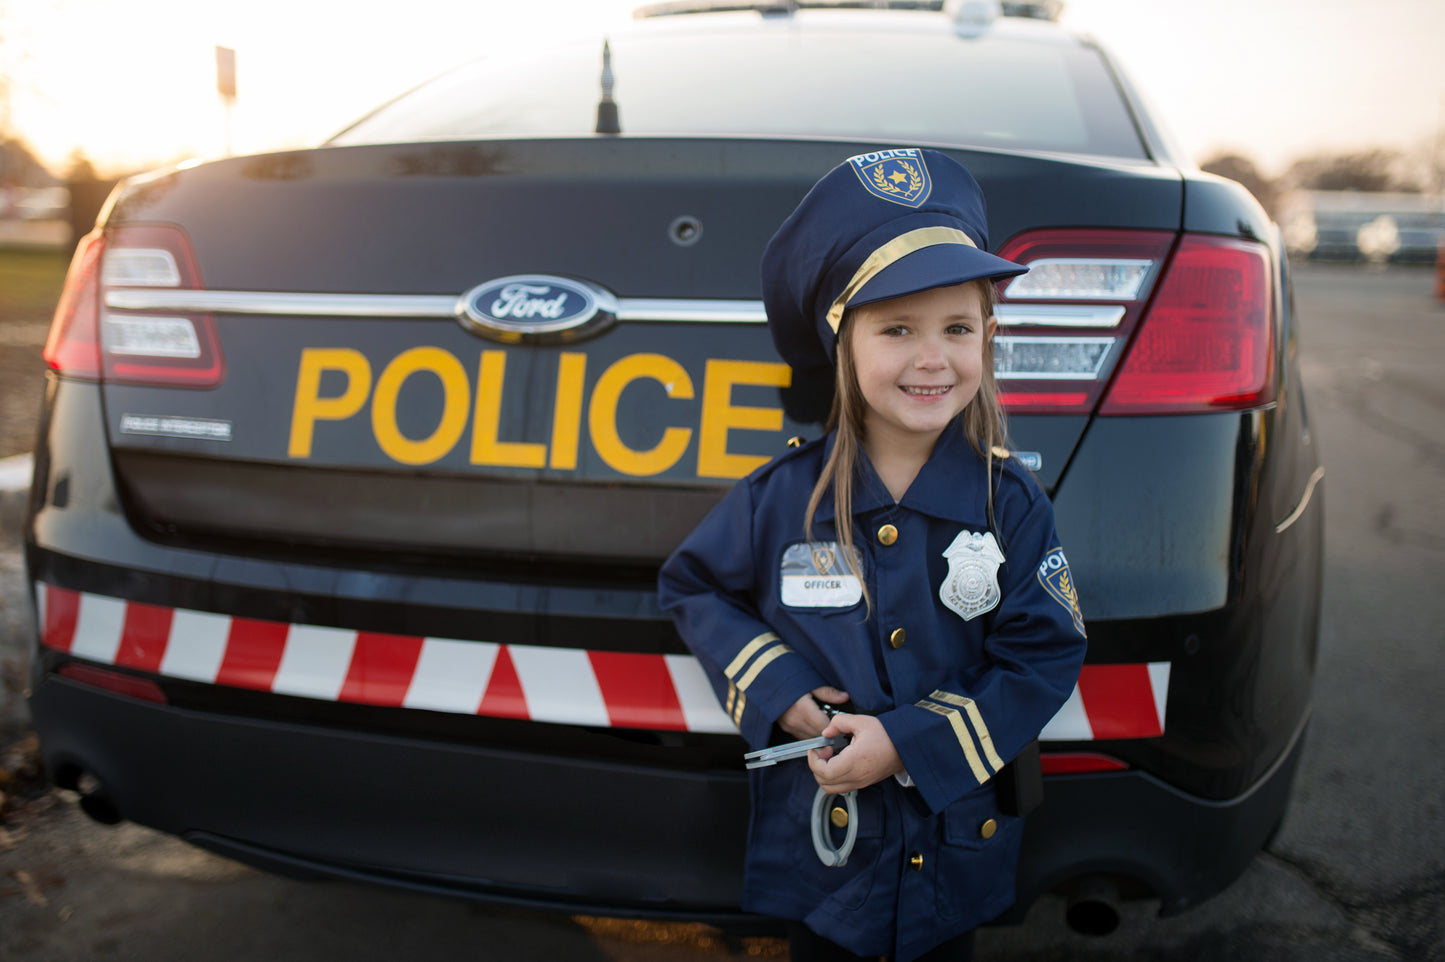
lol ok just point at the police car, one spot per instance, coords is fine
(358, 463)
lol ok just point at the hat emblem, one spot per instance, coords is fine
(898, 176)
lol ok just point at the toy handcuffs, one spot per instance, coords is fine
(829, 854)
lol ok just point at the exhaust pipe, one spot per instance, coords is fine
(1093, 906)
(95, 801)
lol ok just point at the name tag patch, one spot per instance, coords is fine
(814, 575)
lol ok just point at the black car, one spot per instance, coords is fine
(358, 463)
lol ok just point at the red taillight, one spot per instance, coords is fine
(1062, 325)
(113, 681)
(1079, 763)
(1207, 343)
(73, 345)
(1170, 333)
(93, 338)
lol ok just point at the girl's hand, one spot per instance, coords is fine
(805, 719)
(868, 759)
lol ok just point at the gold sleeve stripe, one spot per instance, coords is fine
(738, 711)
(985, 740)
(889, 254)
(965, 740)
(732, 698)
(766, 659)
(750, 649)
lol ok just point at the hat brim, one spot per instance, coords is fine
(941, 265)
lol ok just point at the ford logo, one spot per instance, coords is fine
(536, 308)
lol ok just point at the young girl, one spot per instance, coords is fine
(938, 614)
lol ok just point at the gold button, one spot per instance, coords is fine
(887, 535)
(897, 638)
(795, 441)
(915, 861)
(839, 817)
(988, 828)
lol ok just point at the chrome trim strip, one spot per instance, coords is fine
(715, 312)
(1315, 478)
(1058, 315)
(307, 305)
(408, 305)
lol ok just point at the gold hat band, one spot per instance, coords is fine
(890, 254)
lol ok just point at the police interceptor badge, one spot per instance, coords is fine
(814, 575)
(899, 176)
(971, 587)
(1054, 576)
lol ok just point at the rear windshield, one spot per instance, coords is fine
(779, 79)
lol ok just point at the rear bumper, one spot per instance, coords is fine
(500, 825)
(563, 832)
(1135, 828)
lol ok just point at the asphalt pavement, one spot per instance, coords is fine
(1356, 873)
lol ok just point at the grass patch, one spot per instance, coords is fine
(30, 282)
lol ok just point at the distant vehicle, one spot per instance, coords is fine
(1440, 271)
(35, 203)
(358, 463)
(1364, 225)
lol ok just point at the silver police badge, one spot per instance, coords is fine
(971, 587)
(899, 176)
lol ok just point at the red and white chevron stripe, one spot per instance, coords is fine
(563, 685)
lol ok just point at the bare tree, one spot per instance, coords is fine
(1370, 170)
(1239, 168)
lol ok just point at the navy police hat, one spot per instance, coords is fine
(877, 226)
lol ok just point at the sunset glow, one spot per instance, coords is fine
(132, 83)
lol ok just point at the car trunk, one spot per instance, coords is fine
(362, 416)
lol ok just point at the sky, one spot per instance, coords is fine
(132, 83)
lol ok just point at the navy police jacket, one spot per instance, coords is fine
(973, 641)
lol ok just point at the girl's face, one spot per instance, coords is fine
(919, 361)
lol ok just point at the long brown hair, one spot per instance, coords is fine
(983, 420)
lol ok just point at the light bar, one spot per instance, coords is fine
(1077, 278)
(142, 336)
(140, 267)
(1050, 358)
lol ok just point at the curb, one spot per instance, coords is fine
(15, 472)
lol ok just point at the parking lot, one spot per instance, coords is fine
(1357, 871)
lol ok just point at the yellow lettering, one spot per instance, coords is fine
(310, 407)
(486, 449)
(567, 411)
(454, 410)
(602, 415)
(719, 415)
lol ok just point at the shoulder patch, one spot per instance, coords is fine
(1059, 583)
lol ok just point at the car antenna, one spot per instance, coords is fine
(607, 119)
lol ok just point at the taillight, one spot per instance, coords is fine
(73, 346)
(1208, 341)
(1186, 332)
(114, 681)
(1079, 763)
(94, 335)
(1063, 324)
